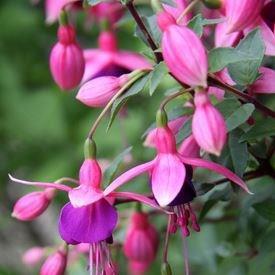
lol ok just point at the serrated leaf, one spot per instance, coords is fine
(136, 88)
(156, 76)
(238, 152)
(263, 128)
(240, 116)
(266, 209)
(114, 166)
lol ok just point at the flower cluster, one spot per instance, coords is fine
(103, 75)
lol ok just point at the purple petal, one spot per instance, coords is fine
(168, 177)
(88, 224)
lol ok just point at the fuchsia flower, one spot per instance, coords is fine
(55, 264)
(189, 148)
(183, 52)
(98, 91)
(66, 59)
(265, 84)
(33, 256)
(108, 60)
(141, 243)
(208, 125)
(174, 125)
(32, 205)
(241, 14)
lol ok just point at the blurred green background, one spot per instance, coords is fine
(41, 135)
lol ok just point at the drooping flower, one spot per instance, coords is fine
(183, 52)
(66, 59)
(56, 263)
(32, 205)
(240, 14)
(189, 148)
(33, 256)
(141, 243)
(265, 84)
(208, 125)
(108, 60)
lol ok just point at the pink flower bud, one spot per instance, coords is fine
(208, 125)
(33, 256)
(189, 148)
(98, 91)
(141, 242)
(66, 59)
(32, 205)
(55, 264)
(183, 52)
(240, 14)
(265, 84)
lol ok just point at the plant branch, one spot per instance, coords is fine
(144, 30)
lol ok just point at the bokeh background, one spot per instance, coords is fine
(41, 135)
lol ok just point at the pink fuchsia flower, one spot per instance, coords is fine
(176, 10)
(98, 91)
(108, 60)
(55, 264)
(265, 84)
(66, 59)
(240, 14)
(141, 243)
(168, 170)
(174, 125)
(32, 205)
(189, 148)
(208, 125)
(33, 256)
(190, 67)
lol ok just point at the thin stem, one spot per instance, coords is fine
(91, 259)
(186, 256)
(144, 30)
(67, 179)
(214, 81)
(186, 10)
(166, 242)
(110, 103)
(171, 97)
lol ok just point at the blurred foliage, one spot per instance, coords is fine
(43, 129)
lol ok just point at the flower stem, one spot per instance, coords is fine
(139, 74)
(186, 256)
(186, 10)
(130, 6)
(171, 97)
(166, 242)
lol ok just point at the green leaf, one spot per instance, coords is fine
(156, 76)
(243, 62)
(263, 128)
(206, 208)
(203, 188)
(185, 131)
(266, 209)
(228, 106)
(238, 152)
(114, 166)
(239, 116)
(136, 88)
(246, 72)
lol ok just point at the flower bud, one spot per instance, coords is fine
(183, 52)
(99, 91)
(33, 256)
(32, 205)
(141, 243)
(208, 125)
(240, 14)
(66, 59)
(55, 264)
